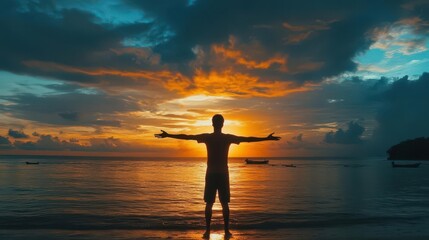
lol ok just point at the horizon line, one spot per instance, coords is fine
(146, 157)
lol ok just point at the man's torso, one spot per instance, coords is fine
(217, 145)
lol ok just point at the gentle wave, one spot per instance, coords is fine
(98, 222)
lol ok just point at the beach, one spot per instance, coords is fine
(161, 198)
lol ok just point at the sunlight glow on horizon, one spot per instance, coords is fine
(197, 99)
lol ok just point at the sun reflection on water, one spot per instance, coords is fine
(216, 236)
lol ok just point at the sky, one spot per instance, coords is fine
(332, 78)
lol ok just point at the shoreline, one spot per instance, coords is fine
(369, 233)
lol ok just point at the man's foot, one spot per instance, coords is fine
(228, 234)
(206, 235)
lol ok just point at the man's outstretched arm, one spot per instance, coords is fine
(270, 137)
(164, 134)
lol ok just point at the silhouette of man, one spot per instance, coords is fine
(217, 174)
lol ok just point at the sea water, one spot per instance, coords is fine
(129, 198)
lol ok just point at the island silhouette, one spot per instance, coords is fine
(412, 149)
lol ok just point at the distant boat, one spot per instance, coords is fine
(31, 163)
(248, 161)
(406, 165)
(288, 165)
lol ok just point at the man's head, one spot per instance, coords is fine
(217, 121)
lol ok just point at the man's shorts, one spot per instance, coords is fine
(219, 182)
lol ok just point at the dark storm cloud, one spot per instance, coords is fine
(75, 109)
(317, 39)
(5, 143)
(4, 140)
(17, 133)
(352, 135)
(392, 109)
(404, 112)
(332, 32)
(35, 35)
(70, 38)
(334, 102)
(72, 116)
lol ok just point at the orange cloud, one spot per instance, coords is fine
(298, 37)
(318, 25)
(302, 32)
(239, 57)
(307, 67)
(217, 82)
(411, 21)
(251, 55)
(230, 83)
(146, 74)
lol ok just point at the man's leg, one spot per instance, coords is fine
(224, 197)
(208, 213)
(225, 212)
(209, 197)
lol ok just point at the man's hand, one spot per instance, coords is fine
(163, 134)
(271, 137)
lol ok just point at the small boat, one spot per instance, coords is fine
(248, 161)
(288, 165)
(29, 163)
(406, 165)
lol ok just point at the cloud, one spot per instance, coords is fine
(111, 144)
(336, 36)
(297, 142)
(71, 108)
(46, 142)
(4, 140)
(67, 37)
(352, 135)
(174, 43)
(416, 16)
(53, 143)
(393, 110)
(5, 143)
(72, 116)
(63, 87)
(403, 112)
(248, 60)
(233, 84)
(17, 134)
(400, 38)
